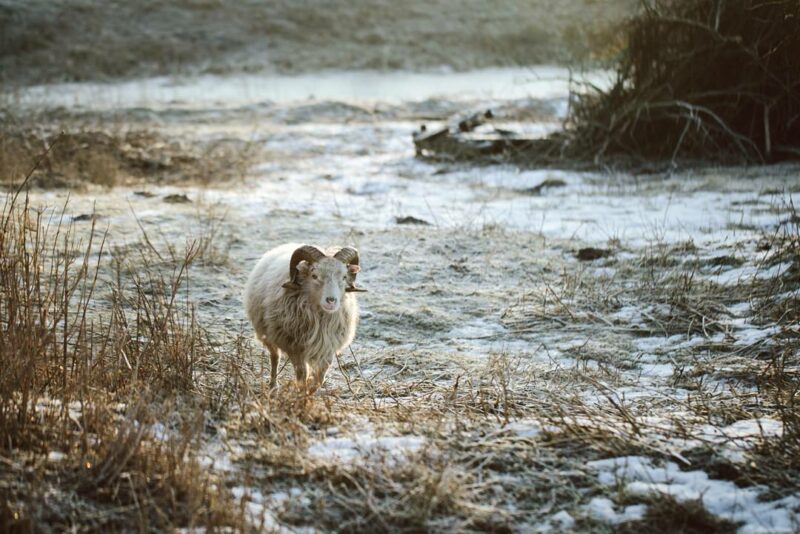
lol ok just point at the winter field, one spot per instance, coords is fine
(504, 376)
(540, 349)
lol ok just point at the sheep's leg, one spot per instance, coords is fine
(300, 373)
(274, 360)
(321, 370)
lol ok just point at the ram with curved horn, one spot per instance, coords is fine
(305, 253)
(302, 303)
(349, 256)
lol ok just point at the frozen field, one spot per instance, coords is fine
(497, 381)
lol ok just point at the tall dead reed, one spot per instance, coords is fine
(98, 364)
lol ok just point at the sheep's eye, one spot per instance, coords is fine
(315, 277)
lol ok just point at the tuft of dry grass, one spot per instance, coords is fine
(698, 80)
(84, 154)
(777, 460)
(99, 409)
(665, 514)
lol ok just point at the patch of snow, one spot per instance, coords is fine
(524, 429)
(563, 520)
(574, 344)
(281, 498)
(476, 329)
(351, 449)
(749, 272)
(56, 456)
(740, 309)
(735, 456)
(742, 433)
(754, 427)
(719, 497)
(218, 455)
(160, 431)
(748, 336)
(658, 370)
(605, 272)
(630, 314)
(602, 509)
(652, 344)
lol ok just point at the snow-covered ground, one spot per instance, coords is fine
(488, 294)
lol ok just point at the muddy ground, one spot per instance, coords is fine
(497, 380)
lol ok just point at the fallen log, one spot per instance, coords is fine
(474, 120)
(451, 142)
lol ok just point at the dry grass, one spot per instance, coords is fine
(81, 154)
(98, 353)
(778, 460)
(145, 390)
(665, 514)
(728, 381)
(163, 423)
(456, 480)
(699, 80)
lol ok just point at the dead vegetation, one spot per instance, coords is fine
(665, 514)
(697, 81)
(506, 440)
(731, 378)
(99, 409)
(152, 422)
(79, 154)
(132, 415)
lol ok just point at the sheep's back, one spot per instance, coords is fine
(264, 286)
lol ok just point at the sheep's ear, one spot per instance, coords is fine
(353, 269)
(301, 269)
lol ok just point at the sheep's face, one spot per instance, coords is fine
(325, 282)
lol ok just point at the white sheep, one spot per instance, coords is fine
(301, 302)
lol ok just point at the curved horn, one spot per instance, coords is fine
(349, 256)
(304, 253)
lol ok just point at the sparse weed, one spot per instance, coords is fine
(97, 358)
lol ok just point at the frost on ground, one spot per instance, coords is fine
(497, 381)
(353, 448)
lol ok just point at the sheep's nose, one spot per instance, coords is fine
(330, 300)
